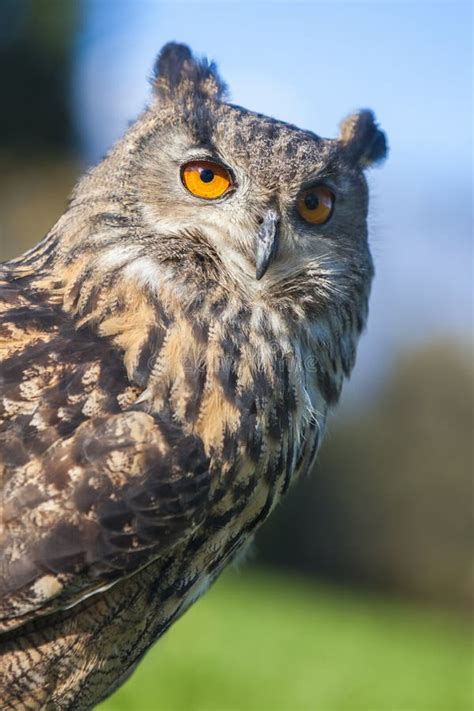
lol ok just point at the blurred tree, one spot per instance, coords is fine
(390, 501)
(33, 196)
(35, 41)
(36, 135)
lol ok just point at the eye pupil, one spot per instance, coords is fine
(206, 175)
(311, 201)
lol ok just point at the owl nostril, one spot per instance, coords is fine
(260, 220)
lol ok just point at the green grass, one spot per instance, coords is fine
(259, 642)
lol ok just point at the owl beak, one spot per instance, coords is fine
(267, 242)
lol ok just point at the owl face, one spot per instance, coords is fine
(268, 196)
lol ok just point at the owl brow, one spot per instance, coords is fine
(202, 146)
(320, 178)
(200, 151)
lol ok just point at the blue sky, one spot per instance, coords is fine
(312, 63)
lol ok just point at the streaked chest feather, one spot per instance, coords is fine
(237, 377)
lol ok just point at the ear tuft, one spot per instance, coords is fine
(362, 140)
(170, 62)
(176, 70)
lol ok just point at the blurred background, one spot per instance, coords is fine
(357, 595)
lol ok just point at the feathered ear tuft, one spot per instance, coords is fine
(177, 71)
(362, 140)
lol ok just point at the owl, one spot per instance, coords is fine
(169, 353)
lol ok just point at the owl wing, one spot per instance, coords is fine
(122, 491)
(86, 499)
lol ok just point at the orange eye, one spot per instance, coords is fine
(206, 179)
(315, 205)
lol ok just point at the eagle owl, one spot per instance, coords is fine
(169, 354)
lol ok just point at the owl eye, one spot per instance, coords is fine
(315, 205)
(206, 179)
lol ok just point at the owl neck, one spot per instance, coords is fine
(194, 342)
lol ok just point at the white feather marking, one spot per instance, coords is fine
(117, 256)
(144, 270)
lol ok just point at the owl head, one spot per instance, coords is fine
(200, 188)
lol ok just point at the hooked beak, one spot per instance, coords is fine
(267, 242)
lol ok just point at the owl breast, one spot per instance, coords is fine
(250, 388)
